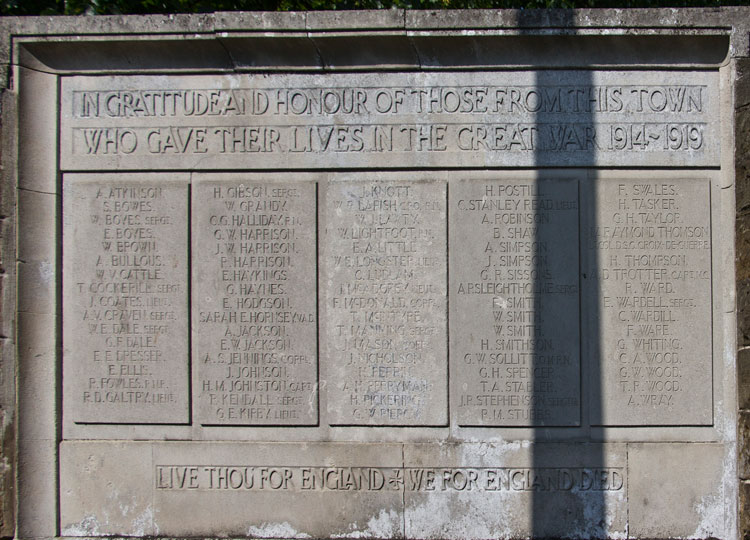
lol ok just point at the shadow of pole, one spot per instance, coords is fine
(578, 512)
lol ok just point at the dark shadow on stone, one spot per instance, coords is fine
(570, 510)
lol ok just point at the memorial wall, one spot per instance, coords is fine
(324, 292)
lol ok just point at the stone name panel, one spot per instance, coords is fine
(626, 118)
(234, 306)
(514, 302)
(384, 252)
(649, 243)
(125, 320)
(255, 324)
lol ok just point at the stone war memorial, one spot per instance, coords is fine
(393, 274)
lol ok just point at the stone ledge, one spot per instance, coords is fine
(222, 25)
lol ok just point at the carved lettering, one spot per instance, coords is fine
(125, 319)
(376, 479)
(651, 241)
(385, 299)
(254, 302)
(514, 308)
(499, 119)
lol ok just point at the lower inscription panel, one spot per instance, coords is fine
(329, 490)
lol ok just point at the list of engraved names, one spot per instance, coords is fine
(386, 286)
(514, 286)
(386, 303)
(255, 304)
(125, 285)
(651, 241)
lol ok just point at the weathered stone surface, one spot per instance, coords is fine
(32, 166)
(233, 489)
(742, 276)
(509, 490)
(37, 214)
(356, 490)
(125, 358)
(742, 141)
(37, 504)
(744, 510)
(742, 235)
(742, 175)
(743, 443)
(384, 294)
(292, 490)
(36, 353)
(7, 486)
(105, 489)
(649, 296)
(36, 290)
(8, 407)
(36, 164)
(38, 395)
(743, 378)
(676, 490)
(392, 120)
(255, 302)
(514, 308)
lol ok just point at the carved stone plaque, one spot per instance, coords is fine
(385, 303)
(255, 302)
(650, 246)
(384, 490)
(391, 120)
(514, 302)
(125, 348)
(372, 275)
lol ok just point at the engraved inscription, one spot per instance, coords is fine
(255, 302)
(359, 100)
(386, 303)
(125, 319)
(514, 302)
(411, 479)
(399, 138)
(442, 119)
(652, 241)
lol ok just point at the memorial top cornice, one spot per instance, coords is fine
(391, 19)
(384, 40)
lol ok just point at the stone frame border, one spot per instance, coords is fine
(34, 50)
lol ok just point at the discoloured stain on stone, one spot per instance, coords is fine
(274, 530)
